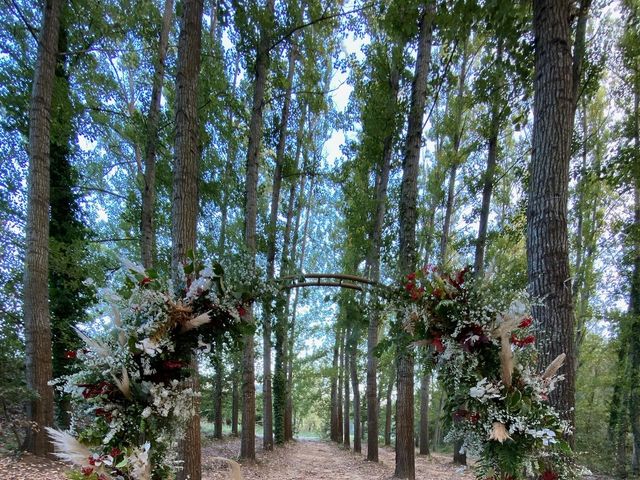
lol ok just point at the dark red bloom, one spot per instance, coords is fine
(549, 475)
(145, 280)
(173, 364)
(115, 451)
(526, 322)
(411, 276)
(70, 354)
(101, 412)
(438, 293)
(241, 311)
(437, 344)
(460, 415)
(86, 471)
(94, 389)
(92, 460)
(474, 417)
(521, 342)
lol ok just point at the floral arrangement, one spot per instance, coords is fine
(130, 399)
(485, 347)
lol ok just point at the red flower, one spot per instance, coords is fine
(173, 364)
(115, 451)
(474, 417)
(411, 276)
(145, 280)
(86, 471)
(438, 293)
(526, 322)
(94, 389)
(101, 412)
(437, 344)
(549, 475)
(70, 354)
(92, 460)
(521, 342)
(241, 310)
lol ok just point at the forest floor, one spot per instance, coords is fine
(298, 460)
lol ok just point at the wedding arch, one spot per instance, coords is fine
(132, 401)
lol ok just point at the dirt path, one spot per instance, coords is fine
(314, 460)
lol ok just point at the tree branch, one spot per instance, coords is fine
(321, 18)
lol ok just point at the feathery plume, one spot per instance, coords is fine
(124, 385)
(554, 366)
(68, 448)
(97, 347)
(499, 432)
(196, 322)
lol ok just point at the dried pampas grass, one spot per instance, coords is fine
(68, 448)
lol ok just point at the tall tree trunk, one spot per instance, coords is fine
(185, 195)
(457, 139)
(248, 440)
(355, 386)
(489, 174)
(373, 270)
(36, 265)
(288, 427)
(547, 242)
(405, 452)
(634, 296)
(219, 380)
(425, 379)
(148, 237)
(334, 388)
(346, 431)
(340, 390)
(280, 383)
(388, 410)
(235, 400)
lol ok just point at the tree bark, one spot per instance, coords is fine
(219, 380)
(346, 431)
(248, 441)
(334, 388)
(388, 411)
(185, 194)
(634, 296)
(457, 139)
(36, 266)
(425, 379)
(547, 242)
(340, 419)
(148, 237)
(405, 452)
(489, 174)
(279, 386)
(373, 270)
(235, 400)
(355, 386)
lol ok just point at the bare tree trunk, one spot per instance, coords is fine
(346, 431)
(217, 399)
(634, 299)
(425, 379)
(457, 139)
(547, 238)
(235, 401)
(388, 411)
(489, 173)
(36, 265)
(340, 425)
(334, 388)
(148, 237)
(405, 452)
(248, 440)
(353, 364)
(288, 427)
(185, 194)
(280, 384)
(373, 270)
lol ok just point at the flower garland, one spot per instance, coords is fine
(130, 401)
(485, 347)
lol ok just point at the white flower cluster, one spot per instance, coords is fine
(485, 390)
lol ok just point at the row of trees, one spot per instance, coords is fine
(233, 154)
